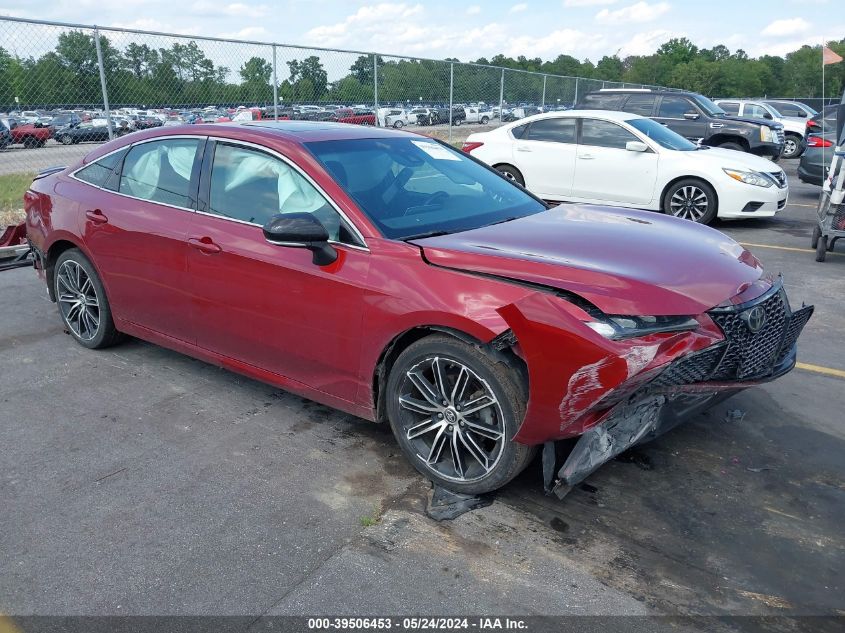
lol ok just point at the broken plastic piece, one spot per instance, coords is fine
(445, 505)
(734, 415)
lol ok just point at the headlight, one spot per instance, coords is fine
(749, 177)
(618, 327)
(766, 134)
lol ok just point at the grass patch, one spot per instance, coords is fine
(12, 188)
(371, 520)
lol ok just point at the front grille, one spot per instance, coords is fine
(779, 177)
(779, 135)
(744, 354)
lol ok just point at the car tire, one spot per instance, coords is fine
(66, 139)
(470, 455)
(511, 173)
(457, 121)
(398, 125)
(89, 322)
(684, 200)
(821, 248)
(817, 233)
(485, 120)
(30, 142)
(793, 146)
(731, 145)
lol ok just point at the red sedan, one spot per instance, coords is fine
(398, 279)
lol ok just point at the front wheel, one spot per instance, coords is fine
(485, 120)
(691, 199)
(398, 125)
(821, 248)
(817, 233)
(66, 139)
(792, 147)
(82, 301)
(453, 411)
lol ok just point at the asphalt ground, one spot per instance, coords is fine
(139, 481)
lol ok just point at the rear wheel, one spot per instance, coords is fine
(66, 139)
(691, 199)
(817, 233)
(398, 125)
(511, 173)
(30, 142)
(485, 120)
(82, 301)
(821, 248)
(453, 410)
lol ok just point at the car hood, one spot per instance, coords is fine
(745, 119)
(734, 159)
(623, 261)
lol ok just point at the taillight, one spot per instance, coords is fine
(468, 146)
(818, 141)
(812, 124)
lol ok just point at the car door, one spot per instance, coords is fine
(545, 154)
(268, 305)
(135, 228)
(606, 171)
(677, 112)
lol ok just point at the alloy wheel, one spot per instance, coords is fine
(78, 300)
(452, 419)
(789, 147)
(689, 202)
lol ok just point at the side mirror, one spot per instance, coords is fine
(691, 116)
(636, 146)
(301, 230)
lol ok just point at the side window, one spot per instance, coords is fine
(755, 111)
(731, 107)
(603, 101)
(519, 131)
(640, 104)
(674, 107)
(160, 171)
(787, 109)
(252, 186)
(558, 130)
(604, 134)
(103, 172)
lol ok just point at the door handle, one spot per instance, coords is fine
(204, 245)
(96, 216)
(586, 156)
(523, 148)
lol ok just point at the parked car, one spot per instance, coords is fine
(520, 112)
(815, 161)
(823, 121)
(607, 157)
(476, 114)
(394, 117)
(85, 131)
(63, 120)
(29, 135)
(356, 116)
(5, 134)
(694, 117)
(395, 278)
(793, 129)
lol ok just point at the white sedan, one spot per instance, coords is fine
(626, 160)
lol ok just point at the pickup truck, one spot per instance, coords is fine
(793, 129)
(693, 116)
(357, 117)
(478, 115)
(29, 135)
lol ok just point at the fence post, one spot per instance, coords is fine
(543, 101)
(575, 100)
(502, 96)
(451, 94)
(375, 85)
(275, 88)
(103, 81)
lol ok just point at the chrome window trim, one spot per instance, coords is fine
(215, 215)
(297, 169)
(128, 148)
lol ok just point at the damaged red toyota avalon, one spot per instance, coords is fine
(394, 278)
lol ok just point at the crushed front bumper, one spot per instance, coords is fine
(760, 345)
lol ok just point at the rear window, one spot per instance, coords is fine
(558, 130)
(103, 172)
(597, 101)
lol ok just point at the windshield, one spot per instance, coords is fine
(662, 135)
(708, 106)
(412, 187)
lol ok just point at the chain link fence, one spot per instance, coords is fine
(64, 87)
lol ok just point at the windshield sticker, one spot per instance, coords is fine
(435, 150)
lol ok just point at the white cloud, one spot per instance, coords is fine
(563, 41)
(474, 10)
(519, 8)
(250, 32)
(586, 3)
(234, 9)
(647, 42)
(790, 26)
(639, 12)
(371, 24)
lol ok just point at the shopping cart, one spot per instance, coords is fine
(831, 209)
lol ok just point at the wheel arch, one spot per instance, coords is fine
(51, 256)
(718, 139)
(500, 348)
(678, 179)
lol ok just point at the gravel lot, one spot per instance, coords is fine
(139, 481)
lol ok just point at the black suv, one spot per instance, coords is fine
(693, 116)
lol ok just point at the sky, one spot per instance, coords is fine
(468, 29)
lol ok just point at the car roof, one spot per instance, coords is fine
(608, 115)
(305, 131)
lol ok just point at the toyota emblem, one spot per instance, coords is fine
(754, 319)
